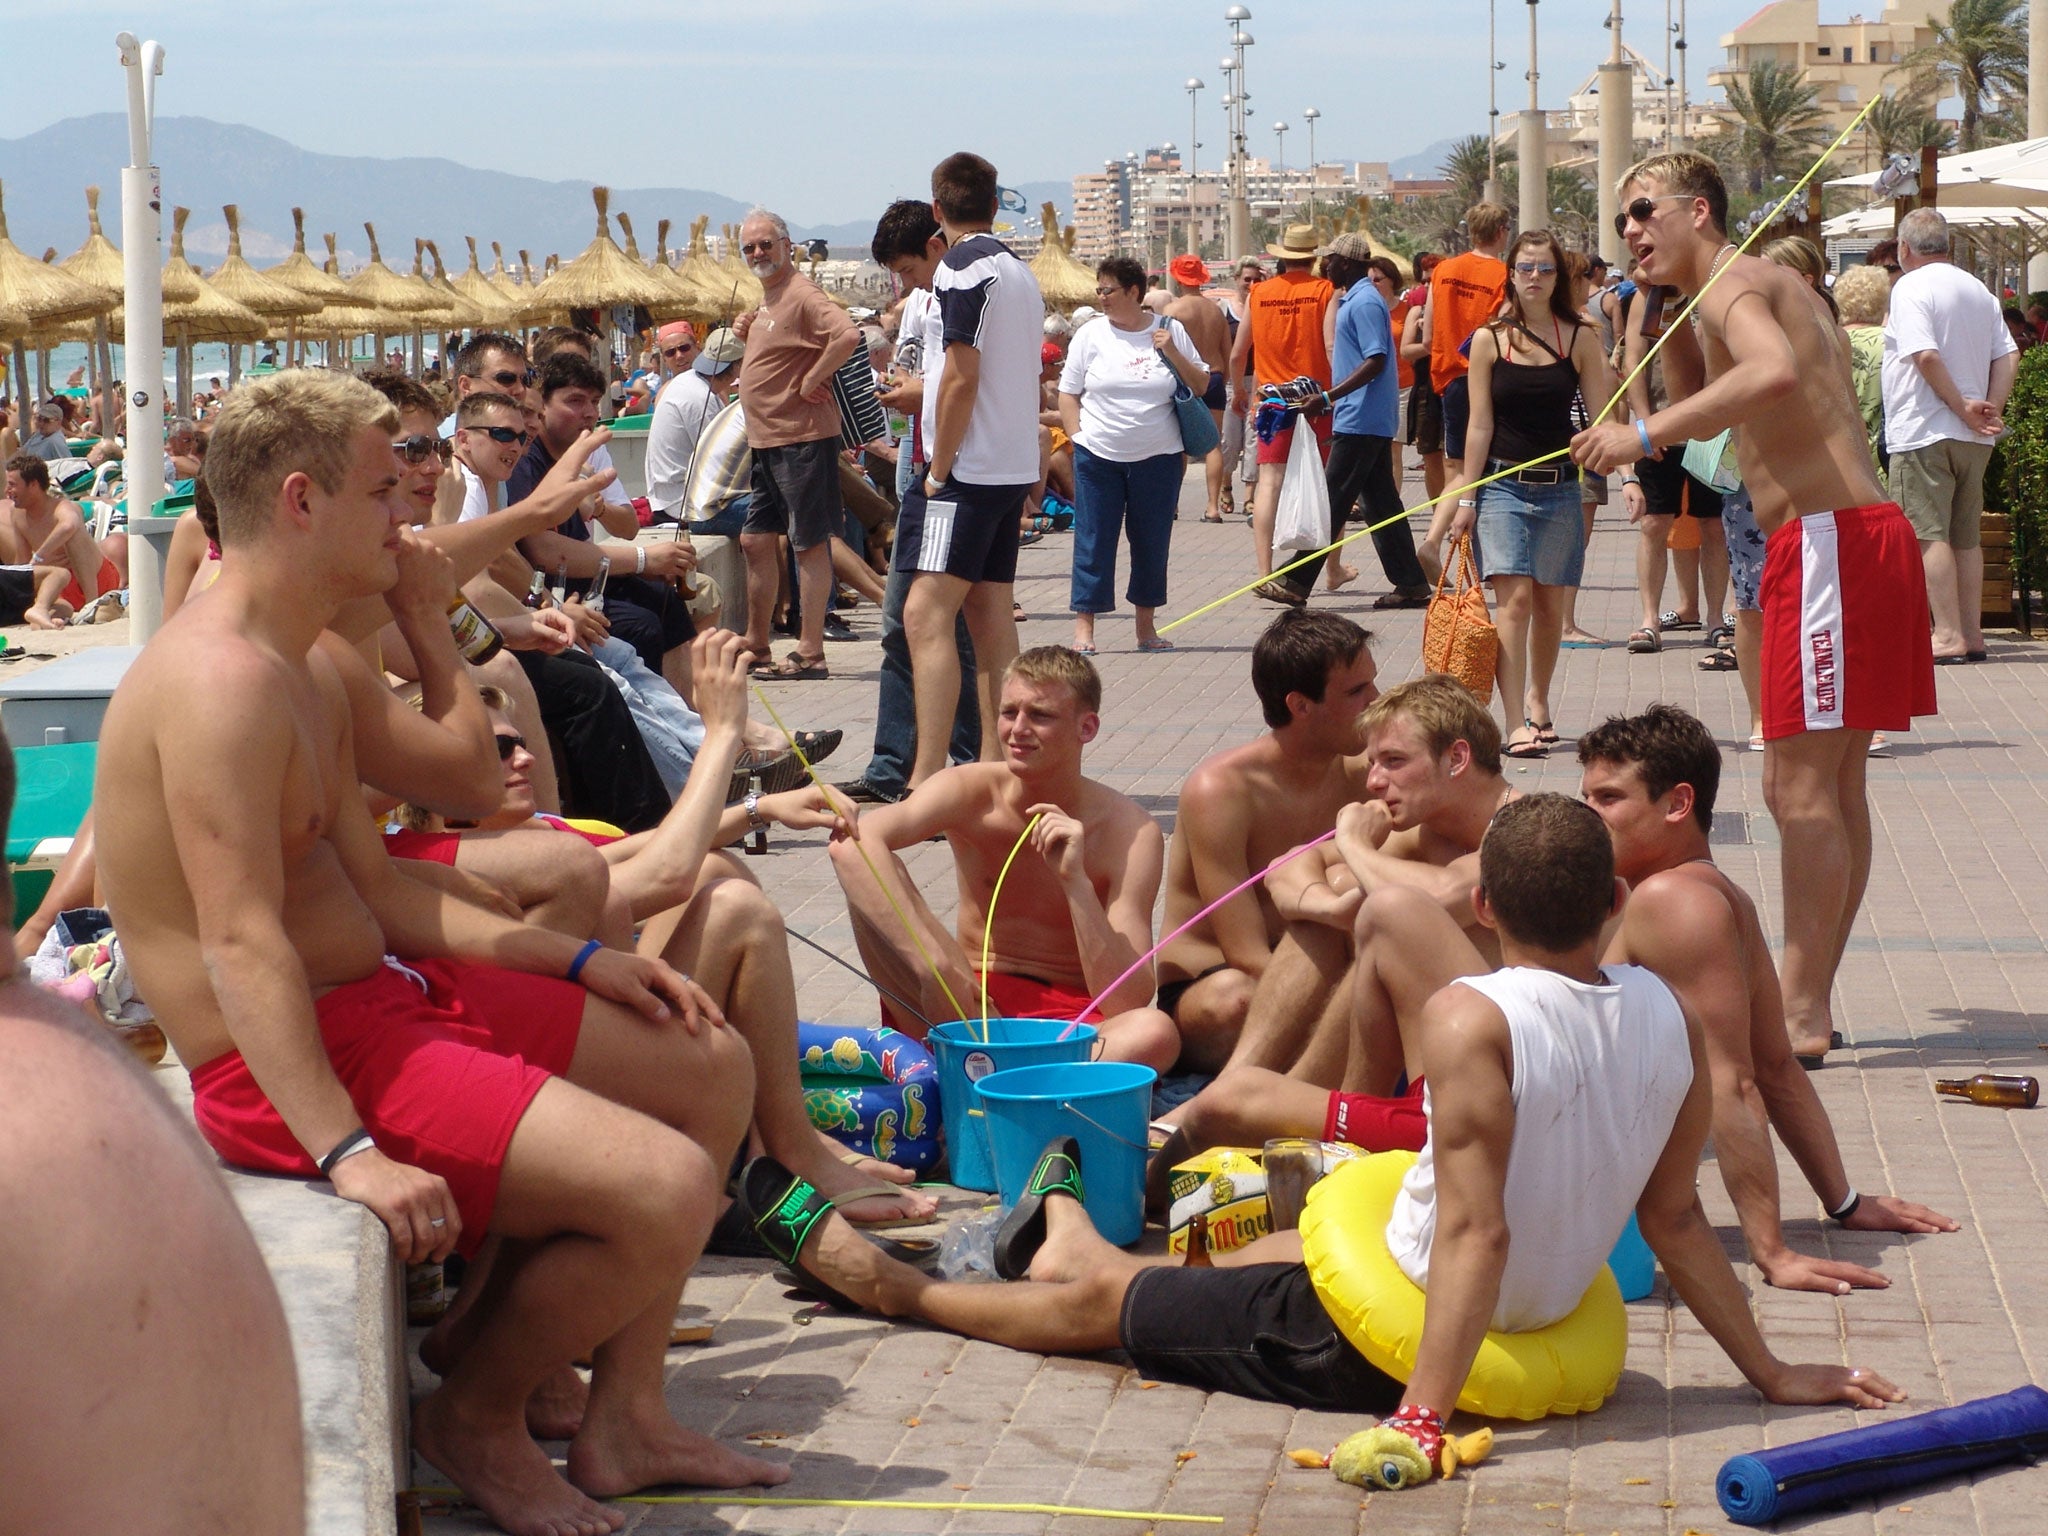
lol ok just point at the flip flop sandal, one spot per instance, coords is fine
(1720, 659)
(1022, 1233)
(1672, 621)
(793, 669)
(1273, 592)
(1525, 750)
(1815, 1063)
(1546, 733)
(1721, 634)
(875, 1191)
(1155, 645)
(781, 1209)
(1645, 642)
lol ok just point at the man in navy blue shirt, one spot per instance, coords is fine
(1366, 404)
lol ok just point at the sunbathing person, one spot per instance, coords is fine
(597, 1113)
(1551, 1062)
(1652, 777)
(48, 529)
(1077, 904)
(692, 904)
(1244, 807)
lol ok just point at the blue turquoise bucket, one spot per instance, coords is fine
(1102, 1104)
(965, 1057)
(1634, 1266)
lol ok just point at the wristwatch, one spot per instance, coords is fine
(756, 822)
(1631, 479)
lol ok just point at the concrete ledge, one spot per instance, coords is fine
(344, 1302)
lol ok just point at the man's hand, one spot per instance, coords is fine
(1607, 446)
(1887, 1213)
(1984, 417)
(592, 628)
(743, 323)
(818, 393)
(1790, 1270)
(649, 986)
(1059, 840)
(1364, 824)
(809, 808)
(426, 578)
(547, 630)
(1320, 903)
(567, 486)
(1857, 1387)
(670, 560)
(415, 1206)
(1634, 501)
(718, 672)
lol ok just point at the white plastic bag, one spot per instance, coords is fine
(1302, 521)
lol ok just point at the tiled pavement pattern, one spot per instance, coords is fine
(1950, 946)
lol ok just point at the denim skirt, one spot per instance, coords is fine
(1532, 530)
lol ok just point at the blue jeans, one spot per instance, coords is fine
(896, 707)
(671, 729)
(1110, 496)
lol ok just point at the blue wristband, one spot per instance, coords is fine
(1643, 431)
(589, 948)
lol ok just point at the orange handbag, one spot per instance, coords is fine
(1458, 637)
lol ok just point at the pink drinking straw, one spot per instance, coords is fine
(1242, 885)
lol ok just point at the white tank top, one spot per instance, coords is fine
(1599, 1074)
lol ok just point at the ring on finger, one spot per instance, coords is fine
(438, 1221)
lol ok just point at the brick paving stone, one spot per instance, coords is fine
(1940, 979)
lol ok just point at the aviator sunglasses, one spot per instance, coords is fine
(1641, 209)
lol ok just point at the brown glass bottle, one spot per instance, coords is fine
(1198, 1242)
(537, 594)
(1998, 1089)
(476, 637)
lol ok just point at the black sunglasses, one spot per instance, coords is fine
(504, 434)
(751, 246)
(505, 379)
(508, 744)
(417, 448)
(681, 349)
(1641, 209)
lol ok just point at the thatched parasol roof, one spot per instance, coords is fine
(470, 315)
(34, 295)
(448, 309)
(681, 302)
(193, 309)
(97, 263)
(1064, 282)
(237, 280)
(533, 310)
(602, 276)
(298, 271)
(349, 316)
(718, 287)
(507, 283)
(381, 288)
(483, 295)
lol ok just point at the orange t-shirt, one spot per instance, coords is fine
(1404, 371)
(1286, 316)
(1464, 292)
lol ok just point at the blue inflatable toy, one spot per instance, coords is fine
(875, 1091)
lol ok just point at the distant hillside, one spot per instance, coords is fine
(206, 164)
(1424, 164)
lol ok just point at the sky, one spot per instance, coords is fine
(820, 108)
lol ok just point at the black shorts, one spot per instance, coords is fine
(968, 531)
(1258, 1330)
(796, 491)
(1171, 992)
(1457, 408)
(1425, 419)
(1217, 395)
(1668, 490)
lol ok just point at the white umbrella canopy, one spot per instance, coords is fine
(2004, 176)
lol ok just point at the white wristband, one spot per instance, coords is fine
(639, 559)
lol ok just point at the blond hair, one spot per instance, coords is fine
(417, 818)
(1058, 664)
(1863, 295)
(1684, 173)
(1486, 222)
(300, 421)
(1444, 712)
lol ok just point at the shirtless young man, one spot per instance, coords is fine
(1846, 643)
(1652, 777)
(1077, 904)
(1396, 888)
(49, 531)
(1203, 320)
(597, 1113)
(1552, 1062)
(1243, 808)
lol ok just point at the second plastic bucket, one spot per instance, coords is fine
(1634, 1266)
(1102, 1104)
(965, 1057)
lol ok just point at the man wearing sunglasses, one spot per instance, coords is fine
(493, 361)
(490, 435)
(1846, 647)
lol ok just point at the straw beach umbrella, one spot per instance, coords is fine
(718, 286)
(278, 303)
(697, 302)
(328, 293)
(34, 295)
(1065, 283)
(194, 311)
(679, 301)
(603, 277)
(386, 292)
(493, 306)
(97, 263)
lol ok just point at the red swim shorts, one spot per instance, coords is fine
(1011, 997)
(1277, 450)
(1846, 643)
(426, 847)
(440, 1075)
(110, 581)
(1376, 1124)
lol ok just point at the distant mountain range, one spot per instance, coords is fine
(206, 164)
(1424, 164)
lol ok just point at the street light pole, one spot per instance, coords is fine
(1534, 153)
(1617, 133)
(142, 352)
(1681, 139)
(1240, 204)
(1194, 144)
(1311, 114)
(1280, 154)
(1490, 193)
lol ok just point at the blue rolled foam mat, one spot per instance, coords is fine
(1859, 1463)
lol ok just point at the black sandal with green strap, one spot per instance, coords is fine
(781, 1207)
(1018, 1239)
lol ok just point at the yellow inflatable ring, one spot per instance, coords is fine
(1569, 1367)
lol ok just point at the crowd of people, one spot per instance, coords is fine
(455, 926)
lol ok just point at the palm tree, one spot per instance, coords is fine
(1905, 124)
(1980, 55)
(1465, 167)
(1780, 120)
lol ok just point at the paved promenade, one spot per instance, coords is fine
(1950, 946)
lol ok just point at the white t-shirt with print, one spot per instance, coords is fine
(1126, 389)
(988, 299)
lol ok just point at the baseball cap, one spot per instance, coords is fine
(1351, 245)
(720, 351)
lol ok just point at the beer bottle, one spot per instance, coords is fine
(1998, 1089)
(476, 637)
(594, 598)
(537, 594)
(1198, 1242)
(561, 581)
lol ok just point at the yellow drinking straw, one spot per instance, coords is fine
(988, 924)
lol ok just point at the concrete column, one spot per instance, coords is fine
(2037, 111)
(1532, 155)
(1617, 149)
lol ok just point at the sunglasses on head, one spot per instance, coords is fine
(504, 434)
(508, 743)
(1641, 209)
(505, 378)
(418, 448)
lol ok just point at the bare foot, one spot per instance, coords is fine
(832, 1177)
(1072, 1247)
(507, 1476)
(39, 618)
(867, 1167)
(638, 1450)
(1341, 578)
(555, 1411)
(1583, 637)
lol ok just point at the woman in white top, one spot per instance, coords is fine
(1116, 402)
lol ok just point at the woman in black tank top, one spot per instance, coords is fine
(1529, 367)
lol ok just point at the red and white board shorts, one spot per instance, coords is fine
(1846, 642)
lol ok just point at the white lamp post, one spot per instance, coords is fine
(1240, 205)
(1534, 153)
(1280, 151)
(1194, 146)
(1311, 114)
(143, 343)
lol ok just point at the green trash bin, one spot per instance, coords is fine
(52, 794)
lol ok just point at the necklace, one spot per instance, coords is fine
(1713, 271)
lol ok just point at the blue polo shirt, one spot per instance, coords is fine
(1365, 329)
